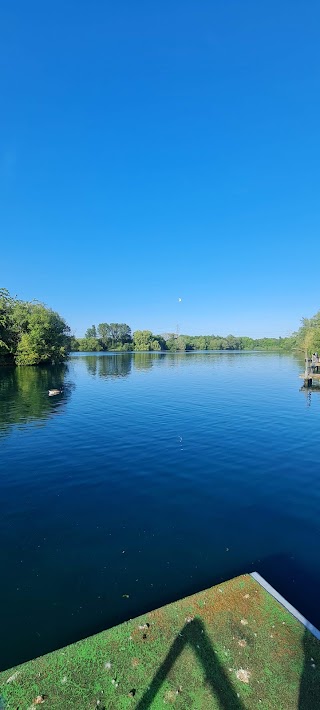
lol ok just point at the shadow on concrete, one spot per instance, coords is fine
(194, 635)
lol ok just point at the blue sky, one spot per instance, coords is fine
(151, 151)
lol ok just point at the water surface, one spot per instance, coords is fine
(153, 476)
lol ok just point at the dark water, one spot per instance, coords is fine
(152, 476)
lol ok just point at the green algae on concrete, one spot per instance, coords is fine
(231, 647)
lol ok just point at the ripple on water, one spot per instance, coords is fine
(152, 476)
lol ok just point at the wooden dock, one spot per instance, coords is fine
(313, 375)
(311, 370)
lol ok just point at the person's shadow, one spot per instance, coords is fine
(194, 635)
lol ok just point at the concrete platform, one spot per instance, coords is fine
(231, 647)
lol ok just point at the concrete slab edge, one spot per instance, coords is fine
(286, 604)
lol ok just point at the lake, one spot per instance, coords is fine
(150, 477)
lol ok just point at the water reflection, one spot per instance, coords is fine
(24, 394)
(145, 361)
(114, 365)
(147, 470)
(122, 364)
(309, 393)
(91, 364)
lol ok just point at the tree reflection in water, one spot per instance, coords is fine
(24, 394)
(113, 365)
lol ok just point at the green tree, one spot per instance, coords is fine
(247, 343)
(91, 332)
(171, 343)
(181, 342)
(89, 345)
(126, 347)
(31, 333)
(145, 340)
(232, 343)
(124, 333)
(7, 334)
(114, 334)
(161, 341)
(44, 336)
(119, 333)
(199, 343)
(74, 344)
(104, 335)
(308, 336)
(142, 339)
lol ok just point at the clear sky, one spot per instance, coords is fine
(151, 151)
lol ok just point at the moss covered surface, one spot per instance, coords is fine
(231, 647)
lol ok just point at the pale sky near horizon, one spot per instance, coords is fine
(157, 151)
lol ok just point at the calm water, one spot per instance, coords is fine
(152, 476)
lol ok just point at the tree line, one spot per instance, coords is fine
(32, 334)
(118, 337)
